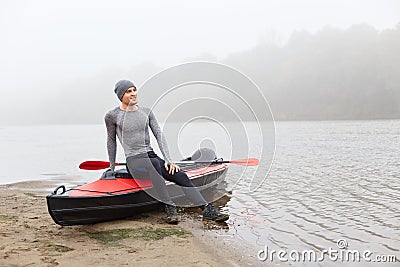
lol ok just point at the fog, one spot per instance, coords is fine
(311, 59)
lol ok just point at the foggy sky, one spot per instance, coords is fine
(50, 48)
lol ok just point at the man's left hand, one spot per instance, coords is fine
(171, 168)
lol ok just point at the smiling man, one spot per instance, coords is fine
(131, 123)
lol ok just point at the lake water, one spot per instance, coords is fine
(330, 180)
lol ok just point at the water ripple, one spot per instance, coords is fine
(330, 180)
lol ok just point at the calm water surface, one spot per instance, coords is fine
(329, 181)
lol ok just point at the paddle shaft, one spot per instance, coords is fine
(202, 162)
(98, 165)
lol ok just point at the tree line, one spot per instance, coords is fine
(335, 73)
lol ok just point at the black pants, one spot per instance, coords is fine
(150, 166)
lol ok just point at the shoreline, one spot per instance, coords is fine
(28, 236)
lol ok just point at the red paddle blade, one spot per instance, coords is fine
(95, 165)
(246, 162)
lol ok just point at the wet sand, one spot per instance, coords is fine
(29, 237)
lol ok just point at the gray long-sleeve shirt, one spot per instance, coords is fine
(132, 129)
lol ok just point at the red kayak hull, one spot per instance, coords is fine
(114, 198)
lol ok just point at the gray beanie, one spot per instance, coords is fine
(121, 87)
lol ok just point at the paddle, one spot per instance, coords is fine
(98, 165)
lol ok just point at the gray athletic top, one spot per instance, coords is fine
(132, 129)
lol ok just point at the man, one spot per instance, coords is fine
(131, 124)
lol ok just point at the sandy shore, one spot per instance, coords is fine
(29, 237)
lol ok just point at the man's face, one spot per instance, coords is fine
(130, 97)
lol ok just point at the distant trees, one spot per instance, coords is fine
(332, 74)
(349, 73)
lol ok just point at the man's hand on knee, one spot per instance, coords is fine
(171, 168)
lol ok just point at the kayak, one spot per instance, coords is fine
(117, 195)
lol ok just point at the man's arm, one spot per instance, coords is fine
(162, 142)
(111, 139)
